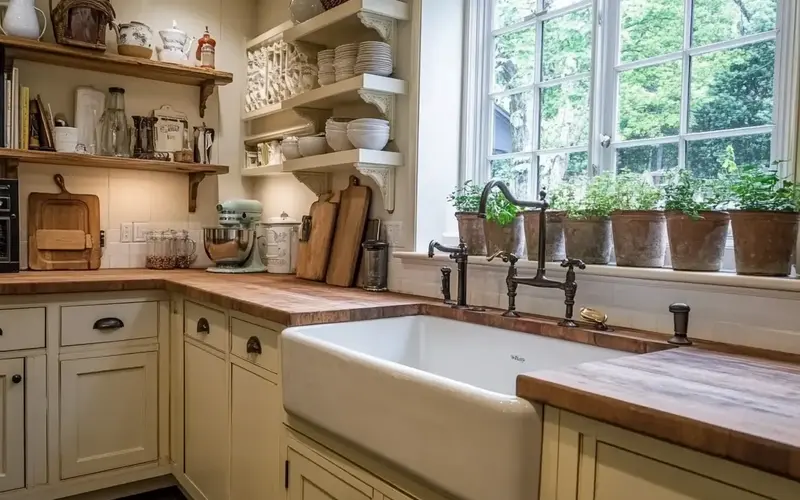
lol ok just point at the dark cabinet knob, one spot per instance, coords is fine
(253, 345)
(203, 326)
(108, 324)
(16, 379)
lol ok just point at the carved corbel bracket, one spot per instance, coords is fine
(206, 90)
(385, 103)
(318, 182)
(384, 177)
(194, 184)
(386, 27)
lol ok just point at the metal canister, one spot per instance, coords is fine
(376, 262)
(278, 243)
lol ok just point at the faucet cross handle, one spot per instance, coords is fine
(572, 263)
(504, 256)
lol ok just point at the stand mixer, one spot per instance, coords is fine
(232, 244)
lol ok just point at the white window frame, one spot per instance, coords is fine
(603, 76)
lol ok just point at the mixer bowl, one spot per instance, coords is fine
(228, 246)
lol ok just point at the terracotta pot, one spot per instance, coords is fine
(588, 239)
(640, 237)
(763, 242)
(554, 247)
(470, 231)
(697, 244)
(509, 237)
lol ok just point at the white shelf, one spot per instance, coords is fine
(373, 89)
(352, 21)
(269, 36)
(263, 171)
(267, 110)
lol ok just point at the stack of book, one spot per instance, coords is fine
(16, 118)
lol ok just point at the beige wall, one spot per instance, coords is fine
(159, 199)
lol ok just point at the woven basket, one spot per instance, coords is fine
(329, 4)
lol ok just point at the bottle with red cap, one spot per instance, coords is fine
(206, 48)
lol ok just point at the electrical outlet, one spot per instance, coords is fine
(392, 233)
(139, 230)
(126, 232)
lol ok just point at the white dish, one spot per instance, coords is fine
(338, 141)
(312, 146)
(290, 150)
(370, 121)
(368, 139)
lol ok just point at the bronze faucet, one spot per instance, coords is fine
(540, 280)
(459, 255)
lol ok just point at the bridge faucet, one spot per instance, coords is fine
(540, 280)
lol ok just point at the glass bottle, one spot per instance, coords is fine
(114, 134)
(160, 250)
(206, 49)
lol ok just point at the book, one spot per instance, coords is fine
(46, 141)
(7, 113)
(25, 118)
(15, 108)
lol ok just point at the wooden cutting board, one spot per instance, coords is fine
(350, 224)
(315, 243)
(63, 230)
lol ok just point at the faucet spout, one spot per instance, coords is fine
(487, 190)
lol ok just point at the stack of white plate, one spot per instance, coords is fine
(336, 133)
(374, 58)
(368, 133)
(344, 61)
(327, 73)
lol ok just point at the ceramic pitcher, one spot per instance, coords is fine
(20, 19)
(176, 45)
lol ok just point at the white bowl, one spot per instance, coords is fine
(370, 121)
(338, 140)
(368, 139)
(290, 150)
(312, 146)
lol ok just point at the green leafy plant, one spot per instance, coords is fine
(635, 192)
(466, 198)
(760, 188)
(686, 193)
(500, 210)
(583, 197)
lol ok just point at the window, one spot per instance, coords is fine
(644, 85)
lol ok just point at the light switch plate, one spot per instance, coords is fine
(393, 233)
(139, 231)
(126, 232)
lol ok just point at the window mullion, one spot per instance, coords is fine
(537, 107)
(608, 88)
(685, 80)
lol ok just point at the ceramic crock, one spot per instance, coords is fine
(135, 39)
(281, 241)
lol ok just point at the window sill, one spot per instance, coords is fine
(722, 278)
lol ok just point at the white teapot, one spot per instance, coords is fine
(177, 45)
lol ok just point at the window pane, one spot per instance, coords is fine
(705, 158)
(650, 101)
(720, 20)
(557, 168)
(558, 4)
(516, 173)
(656, 159)
(512, 122)
(732, 88)
(566, 45)
(650, 28)
(514, 59)
(565, 115)
(508, 12)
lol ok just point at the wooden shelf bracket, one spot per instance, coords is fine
(206, 91)
(194, 184)
(384, 177)
(318, 182)
(8, 168)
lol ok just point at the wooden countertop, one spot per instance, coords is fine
(736, 407)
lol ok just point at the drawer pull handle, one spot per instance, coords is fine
(253, 345)
(203, 326)
(108, 324)
(16, 379)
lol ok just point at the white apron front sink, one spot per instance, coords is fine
(433, 396)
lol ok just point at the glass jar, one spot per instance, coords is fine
(376, 259)
(185, 248)
(115, 137)
(160, 250)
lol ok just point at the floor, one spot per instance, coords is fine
(166, 494)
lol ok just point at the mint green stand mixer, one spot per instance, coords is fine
(233, 245)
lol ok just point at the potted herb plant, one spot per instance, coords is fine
(766, 220)
(587, 228)
(639, 229)
(466, 199)
(696, 231)
(503, 226)
(554, 220)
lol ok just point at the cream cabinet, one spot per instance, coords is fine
(12, 424)
(109, 413)
(583, 459)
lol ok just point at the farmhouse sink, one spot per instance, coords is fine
(435, 397)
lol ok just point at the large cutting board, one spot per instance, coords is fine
(350, 224)
(63, 230)
(315, 242)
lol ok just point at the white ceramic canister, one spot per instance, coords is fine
(279, 244)
(66, 139)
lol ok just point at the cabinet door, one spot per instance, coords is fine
(206, 440)
(12, 424)
(109, 413)
(308, 480)
(255, 436)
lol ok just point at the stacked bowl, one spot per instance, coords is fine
(336, 134)
(374, 58)
(327, 72)
(368, 133)
(344, 61)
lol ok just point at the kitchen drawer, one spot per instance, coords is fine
(206, 325)
(108, 322)
(22, 328)
(248, 339)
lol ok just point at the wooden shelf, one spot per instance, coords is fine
(263, 171)
(60, 55)
(269, 36)
(352, 21)
(346, 92)
(341, 160)
(267, 110)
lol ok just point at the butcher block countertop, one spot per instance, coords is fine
(741, 408)
(746, 409)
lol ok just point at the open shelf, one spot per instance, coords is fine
(347, 91)
(270, 36)
(342, 160)
(352, 21)
(267, 110)
(263, 171)
(60, 55)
